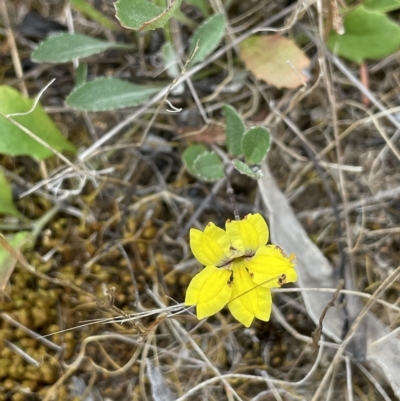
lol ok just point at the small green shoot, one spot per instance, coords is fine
(253, 144)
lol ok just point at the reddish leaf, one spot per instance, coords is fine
(275, 60)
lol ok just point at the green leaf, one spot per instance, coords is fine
(8, 262)
(255, 144)
(383, 6)
(207, 38)
(85, 8)
(70, 46)
(109, 94)
(234, 130)
(142, 15)
(209, 167)
(247, 170)
(14, 141)
(190, 155)
(6, 201)
(368, 35)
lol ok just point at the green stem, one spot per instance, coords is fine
(41, 222)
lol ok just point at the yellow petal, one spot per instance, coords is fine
(270, 267)
(248, 300)
(210, 290)
(264, 304)
(211, 247)
(249, 234)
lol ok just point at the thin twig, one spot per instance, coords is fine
(13, 47)
(318, 331)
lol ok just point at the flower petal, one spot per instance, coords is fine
(249, 234)
(248, 300)
(270, 267)
(211, 247)
(210, 290)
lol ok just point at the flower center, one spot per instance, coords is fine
(238, 260)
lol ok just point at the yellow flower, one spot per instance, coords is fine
(240, 269)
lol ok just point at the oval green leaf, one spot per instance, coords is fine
(65, 47)
(109, 94)
(368, 35)
(243, 168)
(14, 141)
(190, 155)
(234, 130)
(142, 15)
(208, 167)
(206, 38)
(255, 144)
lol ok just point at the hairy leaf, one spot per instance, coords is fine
(247, 170)
(209, 167)
(255, 144)
(109, 94)
(143, 15)
(70, 46)
(206, 38)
